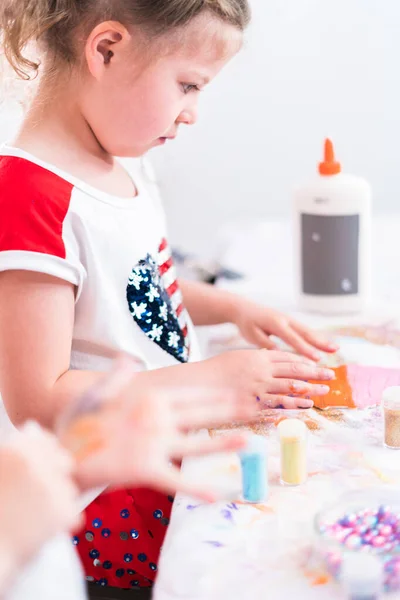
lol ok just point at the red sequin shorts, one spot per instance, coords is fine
(120, 542)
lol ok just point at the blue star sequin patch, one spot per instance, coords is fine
(151, 307)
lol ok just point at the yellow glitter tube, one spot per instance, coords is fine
(293, 440)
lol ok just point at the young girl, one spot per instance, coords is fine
(87, 269)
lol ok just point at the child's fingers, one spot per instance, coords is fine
(315, 339)
(171, 481)
(297, 341)
(274, 401)
(277, 356)
(195, 446)
(302, 372)
(287, 387)
(261, 339)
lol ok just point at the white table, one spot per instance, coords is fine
(219, 552)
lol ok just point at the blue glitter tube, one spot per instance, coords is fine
(254, 463)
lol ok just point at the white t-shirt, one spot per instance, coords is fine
(114, 250)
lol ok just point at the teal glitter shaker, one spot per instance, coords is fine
(254, 464)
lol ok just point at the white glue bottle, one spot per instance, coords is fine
(333, 240)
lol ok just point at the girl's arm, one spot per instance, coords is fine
(209, 306)
(36, 328)
(36, 325)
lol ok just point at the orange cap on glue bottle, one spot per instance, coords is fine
(329, 166)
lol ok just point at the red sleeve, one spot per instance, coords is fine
(34, 205)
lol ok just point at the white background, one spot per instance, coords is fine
(310, 68)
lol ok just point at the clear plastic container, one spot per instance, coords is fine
(362, 576)
(366, 522)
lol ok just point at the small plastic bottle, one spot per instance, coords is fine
(254, 464)
(362, 576)
(293, 440)
(391, 417)
(332, 230)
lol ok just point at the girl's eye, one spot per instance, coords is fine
(189, 87)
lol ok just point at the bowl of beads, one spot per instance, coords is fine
(365, 521)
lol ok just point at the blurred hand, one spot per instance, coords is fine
(38, 498)
(131, 435)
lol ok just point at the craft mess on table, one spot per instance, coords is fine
(344, 443)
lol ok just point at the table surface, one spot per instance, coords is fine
(230, 550)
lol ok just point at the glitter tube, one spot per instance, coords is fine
(254, 464)
(391, 415)
(293, 440)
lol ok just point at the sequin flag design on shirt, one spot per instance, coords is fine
(155, 303)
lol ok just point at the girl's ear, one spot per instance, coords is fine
(105, 41)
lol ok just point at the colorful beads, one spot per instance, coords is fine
(376, 531)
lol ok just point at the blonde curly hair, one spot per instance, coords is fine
(60, 24)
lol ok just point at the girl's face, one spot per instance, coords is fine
(133, 105)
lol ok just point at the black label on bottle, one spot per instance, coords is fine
(330, 254)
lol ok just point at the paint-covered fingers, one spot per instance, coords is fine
(293, 387)
(266, 401)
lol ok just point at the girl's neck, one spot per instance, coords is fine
(55, 130)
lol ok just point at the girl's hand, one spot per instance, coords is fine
(275, 379)
(127, 434)
(38, 498)
(257, 324)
